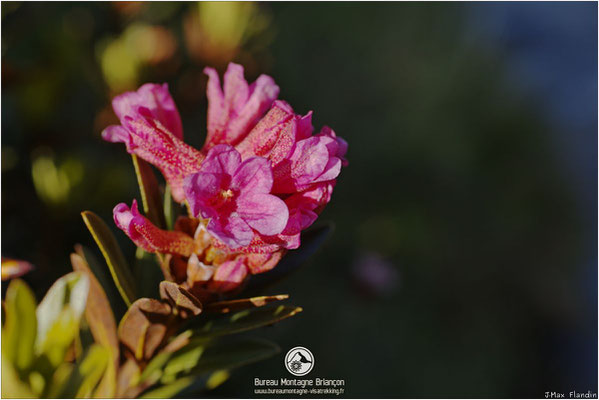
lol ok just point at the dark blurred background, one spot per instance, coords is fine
(464, 261)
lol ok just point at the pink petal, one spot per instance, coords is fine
(232, 230)
(341, 146)
(304, 126)
(236, 88)
(199, 188)
(265, 213)
(150, 140)
(149, 237)
(115, 134)
(157, 99)
(233, 113)
(253, 175)
(331, 170)
(259, 263)
(274, 136)
(229, 275)
(308, 161)
(222, 159)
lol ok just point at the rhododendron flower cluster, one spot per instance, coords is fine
(261, 178)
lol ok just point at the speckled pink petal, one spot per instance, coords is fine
(157, 99)
(273, 137)
(151, 141)
(232, 113)
(149, 237)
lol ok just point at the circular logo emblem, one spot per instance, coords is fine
(299, 361)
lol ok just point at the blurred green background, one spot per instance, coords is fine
(464, 261)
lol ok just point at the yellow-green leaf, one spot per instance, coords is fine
(87, 373)
(20, 329)
(12, 387)
(170, 390)
(121, 274)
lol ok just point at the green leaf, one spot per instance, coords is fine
(311, 240)
(121, 274)
(200, 360)
(150, 192)
(117, 304)
(245, 320)
(184, 360)
(87, 373)
(101, 322)
(170, 390)
(20, 327)
(59, 380)
(59, 314)
(234, 354)
(153, 371)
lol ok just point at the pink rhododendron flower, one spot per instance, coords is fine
(236, 197)
(261, 178)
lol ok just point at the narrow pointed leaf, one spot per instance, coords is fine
(117, 303)
(121, 274)
(246, 320)
(234, 354)
(227, 306)
(170, 390)
(102, 324)
(221, 356)
(150, 192)
(153, 371)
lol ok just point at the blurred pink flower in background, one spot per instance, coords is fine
(375, 275)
